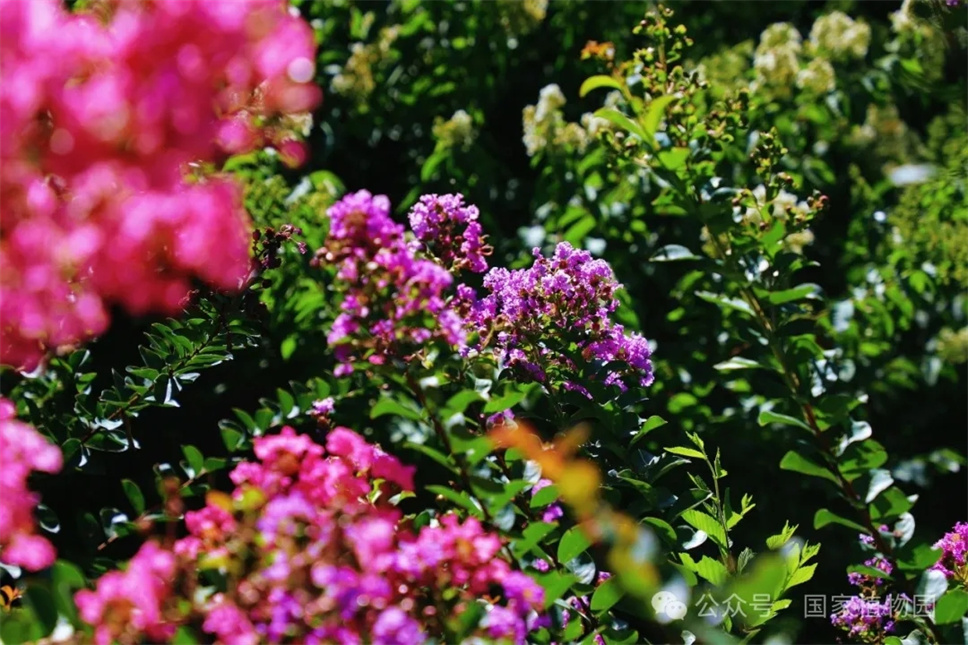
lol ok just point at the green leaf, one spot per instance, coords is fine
(951, 607)
(797, 463)
(41, 603)
(184, 636)
(774, 542)
(823, 517)
(573, 543)
(712, 570)
(801, 575)
(653, 117)
(919, 558)
(650, 424)
(673, 158)
(598, 81)
(673, 253)
(512, 396)
(769, 416)
(707, 524)
(873, 572)
(459, 402)
(726, 303)
(389, 405)
(545, 496)
(663, 528)
(444, 460)
(859, 431)
(623, 122)
(880, 480)
(931, 585)
(134, 495)
(685, 452)
(800, 292)
(195, 460)
(460, 498)
(231, 437)
(555, 585)
(606, 595)
(530, 537)
(737, 363)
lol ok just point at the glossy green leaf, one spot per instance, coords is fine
(599, 81)
(797, 463)
(823, 517)
(769, 416)
(573, 543)
(134, 495)
(606, 595)
(951, 607)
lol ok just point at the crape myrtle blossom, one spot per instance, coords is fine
(317, 553)
(871, 615)
(398, 294)
(111, 120)
(954, 554)
(22, 450)
(393, 297)
(539, 319)
(450, 231)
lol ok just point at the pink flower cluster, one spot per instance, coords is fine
(131, 601)
(109, 123)
(22, 450)
(316, 552)
(393, 299)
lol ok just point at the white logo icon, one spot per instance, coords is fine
(666, 602)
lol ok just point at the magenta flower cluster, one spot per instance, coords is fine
(538, 319)
(318, 553)
(393, 299)
(954, 550)
(22, 450)
(449, 231)
(110, 120)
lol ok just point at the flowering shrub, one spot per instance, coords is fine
(307, 514)
(22, 450)
(105, 147)
(574, 330)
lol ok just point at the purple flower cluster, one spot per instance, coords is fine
(448, 229)
(954, 549)
(862, 579)
(538, 319)
(870, 616)
(553, 511)
(870, 619)
(393, 299)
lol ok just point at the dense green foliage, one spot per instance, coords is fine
(788, 216)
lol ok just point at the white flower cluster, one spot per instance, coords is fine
(817, 77)
(355, 78)
(545, 127)
(456, 132)
(840, 37)
(777, 58)
(782, 61)
(519, 17)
